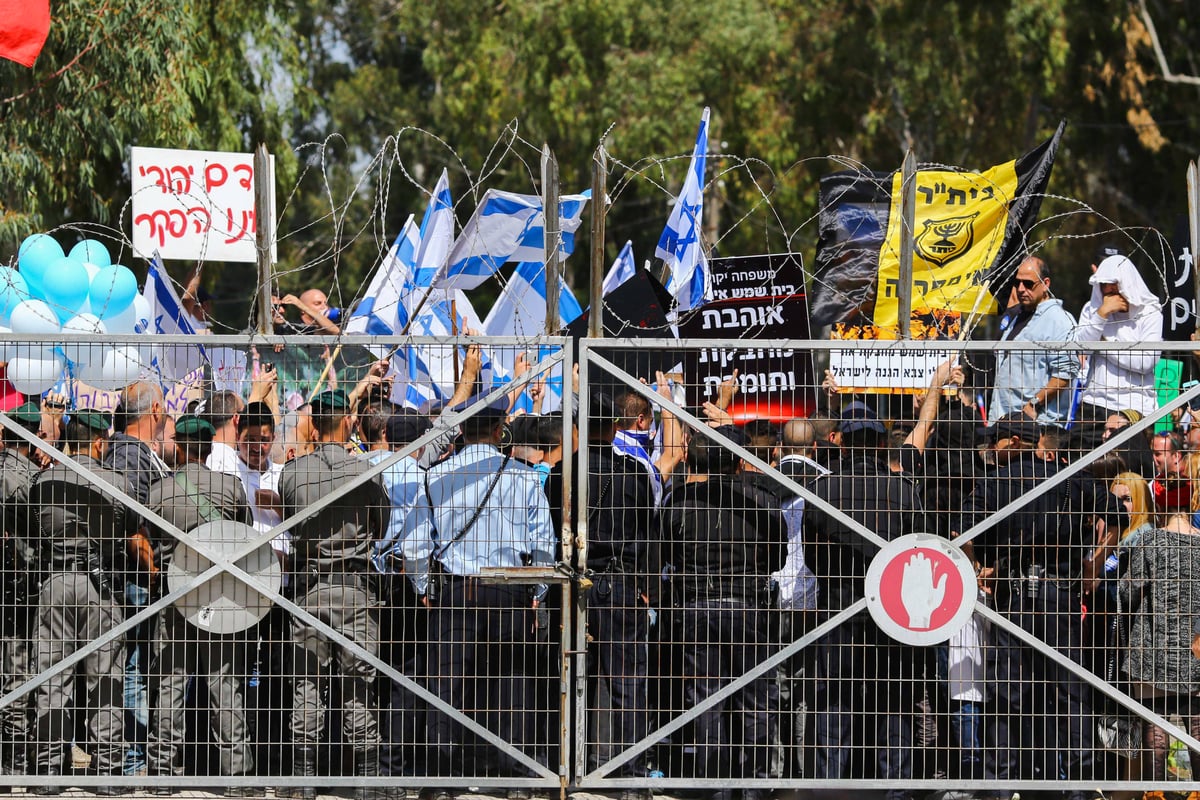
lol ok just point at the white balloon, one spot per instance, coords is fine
(92, 371)
(122, 366)
(34, 375)
(125, 322)
(141, 315)
(33, 351)
(34, 316)
(84, 353)
(7, 349)
(92, 269)
(110, 372)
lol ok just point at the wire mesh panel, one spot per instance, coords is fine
(1033, 631)
(253, 582)
(281, 576)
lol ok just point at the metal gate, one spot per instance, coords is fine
(641, 715)
(215, 561)
(1115, 718)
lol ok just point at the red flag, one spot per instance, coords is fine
(23, 30)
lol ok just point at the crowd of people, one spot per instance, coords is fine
(697, 554)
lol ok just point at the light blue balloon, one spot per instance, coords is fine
(65, 286)
(112, 291)
(93, 251)
(35, 256)
(13, 290)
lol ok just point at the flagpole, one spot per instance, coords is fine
(908, 216)
(454, 332)
(264, 231)
(599, 203)
(550, 236)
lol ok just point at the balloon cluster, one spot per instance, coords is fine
(82, 292)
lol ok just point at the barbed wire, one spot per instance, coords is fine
(357, 196)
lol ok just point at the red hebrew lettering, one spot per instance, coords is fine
(202, 225)
(184, 184)
(215, 175)
(247, 181)
(178, 224)
(247, 225)
(162, 177)
(157, 228)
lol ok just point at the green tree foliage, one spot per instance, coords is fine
(379, 95)
(158, 73)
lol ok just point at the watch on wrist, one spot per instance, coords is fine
(1035, 401)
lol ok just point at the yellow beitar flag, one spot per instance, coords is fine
(961, 219)
(970, 232)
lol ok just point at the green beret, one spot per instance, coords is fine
(99, 421)
(331, 401)
(30, 413)
(190, 426)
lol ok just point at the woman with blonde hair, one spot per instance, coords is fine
(1135, 505)
(1191, 469)
(1128, 516)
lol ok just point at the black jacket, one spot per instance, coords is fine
(1044, 530)
(724, 537)
(867, 491)
(622, 532)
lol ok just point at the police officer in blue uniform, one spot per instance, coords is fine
(479, 508)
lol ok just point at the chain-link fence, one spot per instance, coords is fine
(651, 575)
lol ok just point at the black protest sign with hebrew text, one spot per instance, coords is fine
(755, 297)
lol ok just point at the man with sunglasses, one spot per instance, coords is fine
(1032, 382)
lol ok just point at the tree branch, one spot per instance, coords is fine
(1167, 75)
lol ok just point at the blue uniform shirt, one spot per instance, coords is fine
(403, 482)
(514, 524)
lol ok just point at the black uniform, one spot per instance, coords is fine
(1037, 553)
(850, 683)
(725, 538)
(623, 553)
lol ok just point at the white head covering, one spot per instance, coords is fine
(1121, 271)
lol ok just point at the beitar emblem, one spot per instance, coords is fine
(944, 240)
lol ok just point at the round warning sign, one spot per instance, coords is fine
(921, 589)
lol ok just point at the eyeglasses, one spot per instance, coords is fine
(1025, 283)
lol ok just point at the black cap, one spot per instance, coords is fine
(1105, 251)
(602, 407)
(406, 427)
(496, 408)
(1014, 424)
(859, 416)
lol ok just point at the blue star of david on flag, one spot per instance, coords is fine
(680, 247)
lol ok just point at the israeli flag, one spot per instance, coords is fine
(621, 270)
(680, 247)
(383, 304)
(521, 308)
(506, 227)
(412, 385)
(172, 362)
(436, 234)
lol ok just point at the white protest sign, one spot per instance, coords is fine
(898, 369)
(228, 369)
(196, 205)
